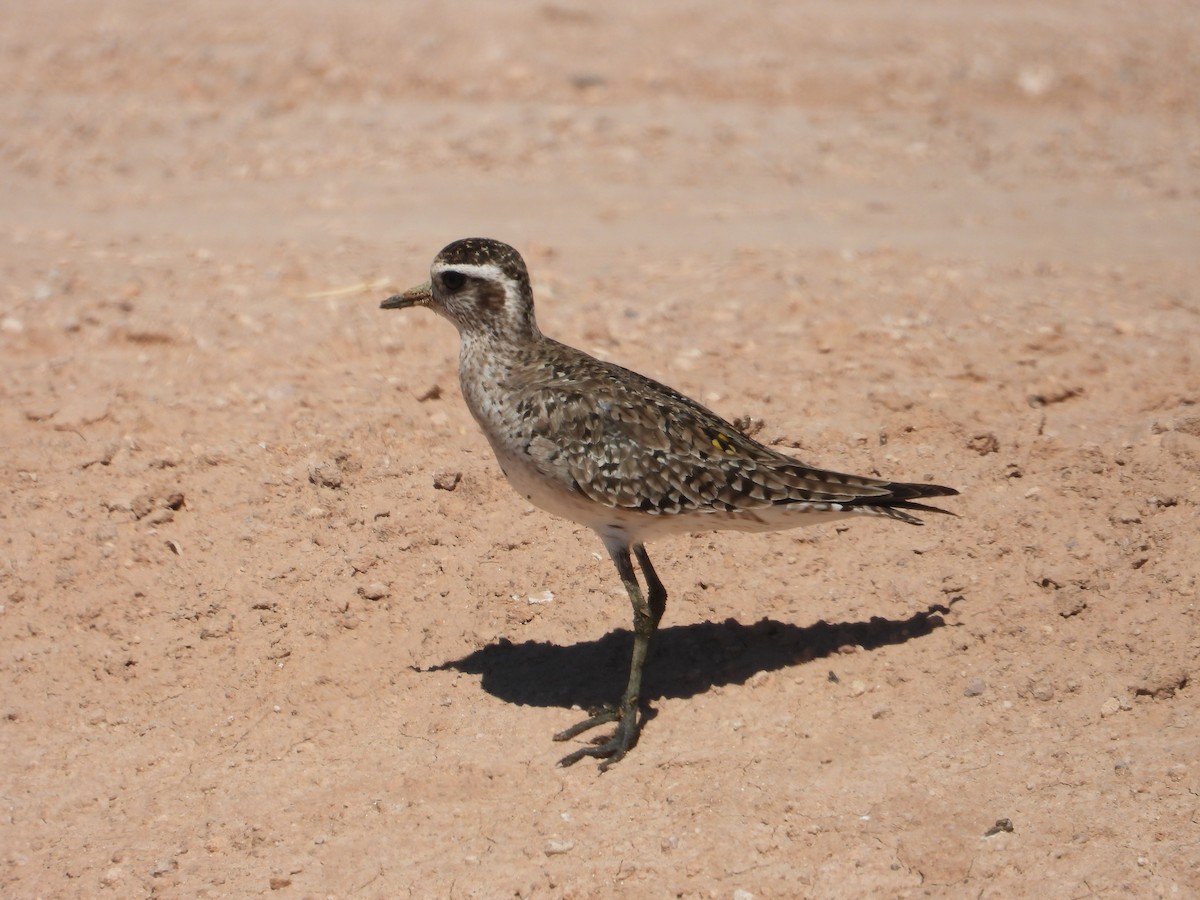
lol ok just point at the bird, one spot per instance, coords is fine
(626, 456)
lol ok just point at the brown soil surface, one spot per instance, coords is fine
(250, 647)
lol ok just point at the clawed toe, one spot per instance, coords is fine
(601, 717)
(611, 749)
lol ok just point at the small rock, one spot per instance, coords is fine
(141, 506)
(80, 411)
(163, 866)
(1043, 692)
(169, 458)
(40, 411)
(1053, 394)
(326, 474)
(857, 688)
(1125, 515)
(1070, 602)
(11, 325)
(376, 590)
(585, 80)
(159, 517)
(1162, 683)
(1110, 707)
(106, 455)
(1002, 825)
(278, 883)
(557, 848)
(446, 481)
(1055, 577)
(543, 597)
(975, 687)
(1036, 79)
(984, 443)
(740, 894)
(881, 712)
(758, 679)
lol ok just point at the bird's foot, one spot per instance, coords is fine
(611, 749)
(599, 716)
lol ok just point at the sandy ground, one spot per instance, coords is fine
(251, 647)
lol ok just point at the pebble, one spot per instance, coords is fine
(163, 866)
(557, 848)
(1036, 79)
(446, 481)
(326, 474)
(81, 411)
(984, 443)
(376, 590)
(758, 679)
(975, 687)
(1110, 707)
(159, 517)
(1126, 515)
(1069, 602)
(1043, 692)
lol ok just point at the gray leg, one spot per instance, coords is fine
(658, 594)
(646, 616)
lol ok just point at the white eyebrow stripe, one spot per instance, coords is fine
(487, 271)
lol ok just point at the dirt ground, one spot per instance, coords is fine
(251, 643)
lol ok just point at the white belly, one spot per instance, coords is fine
(635, 526)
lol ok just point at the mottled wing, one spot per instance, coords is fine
(626, 441)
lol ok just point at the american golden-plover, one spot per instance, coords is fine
(628, 457)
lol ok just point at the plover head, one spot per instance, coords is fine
(479, 284)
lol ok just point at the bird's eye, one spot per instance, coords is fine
(453, 280)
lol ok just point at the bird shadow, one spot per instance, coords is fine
(686, 660)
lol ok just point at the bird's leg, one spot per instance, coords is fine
(646, 616)
(658, 594)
